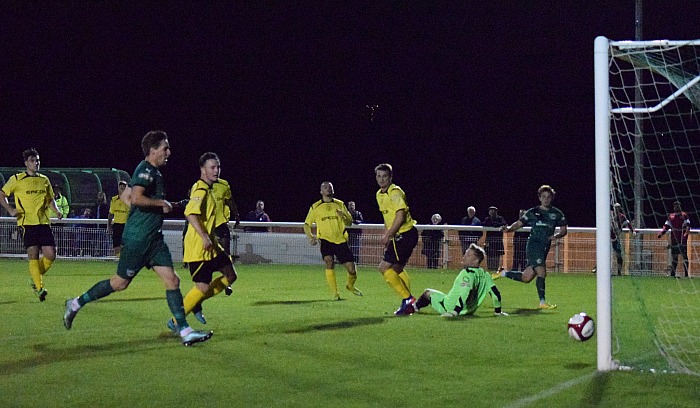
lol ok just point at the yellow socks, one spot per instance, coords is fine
(405, 279)
(35, 273)
(193, 298)
(332, 283)
(351, 281)
(217, 286)
(45, 263)
(396, 283)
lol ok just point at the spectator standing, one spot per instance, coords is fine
(355, 234)
(83, 235)
(519, 245)
(466, 238)
(257, 215)
(432, 243)
(679, 225)
(618, 222)
(494, 239)
(101, 206)
(61, 231)
(61, 202)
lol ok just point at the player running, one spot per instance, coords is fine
(204, 253)
(144, 244)
(331, 217)
(33, 196)
(543, 220)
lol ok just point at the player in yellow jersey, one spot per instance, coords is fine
(203, 252)
(331, 217)
(399, 238)
(118, 213)
(34, 196)
(224, 209)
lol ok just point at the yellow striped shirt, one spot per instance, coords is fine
(329, 225)
(392, 201)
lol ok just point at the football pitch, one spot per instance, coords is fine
(280, 341)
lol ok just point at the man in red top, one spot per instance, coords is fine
(679, 224)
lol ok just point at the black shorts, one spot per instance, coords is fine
(222, 232)
(203, 271)
(341, 252)
(400, 248)
(676, 250)
(37, 235)
(117, 232)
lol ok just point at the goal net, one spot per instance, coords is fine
(647, 111)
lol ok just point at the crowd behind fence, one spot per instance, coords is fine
(285, 243)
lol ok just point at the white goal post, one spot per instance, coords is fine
(647, 99)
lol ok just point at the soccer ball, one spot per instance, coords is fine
(581, 327)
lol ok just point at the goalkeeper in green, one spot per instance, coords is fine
(468, 291)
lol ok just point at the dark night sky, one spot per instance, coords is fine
(479, 103)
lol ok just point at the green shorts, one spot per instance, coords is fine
(136, 255)
(537, 253)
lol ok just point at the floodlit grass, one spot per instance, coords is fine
(280, 341)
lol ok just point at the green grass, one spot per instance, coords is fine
(280, 341)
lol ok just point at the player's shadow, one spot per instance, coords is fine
(46, 355)
(597, 388)
(340, 325)
(527, 312)
(143, 299)
(8, 302)
(290, 302)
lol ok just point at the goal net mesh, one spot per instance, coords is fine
(655, 155)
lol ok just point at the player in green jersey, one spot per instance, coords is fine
(331, 217)
(144, 244)
(34, 196)
(543, 221)
(468, 290)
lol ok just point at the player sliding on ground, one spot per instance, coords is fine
(543, 220)
(468, 290)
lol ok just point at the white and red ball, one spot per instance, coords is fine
(581, 327)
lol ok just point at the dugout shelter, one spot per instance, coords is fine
(80, 185)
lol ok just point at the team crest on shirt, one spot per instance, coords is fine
(552, 216)
(145, 176)
(539, 260)
(130, 273)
